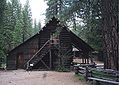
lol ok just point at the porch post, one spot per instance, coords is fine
(50, 60)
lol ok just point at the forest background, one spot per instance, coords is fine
(95, 21)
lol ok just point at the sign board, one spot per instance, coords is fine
(31, 64)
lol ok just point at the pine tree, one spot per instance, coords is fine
(54, 8)
(74, 12)
(37, 26)
(27, 29)
(2, 50)
(110, 34)
(12, 24)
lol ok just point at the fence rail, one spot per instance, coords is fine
(91, 72)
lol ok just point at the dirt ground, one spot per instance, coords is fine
(22, 77)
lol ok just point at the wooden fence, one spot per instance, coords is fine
(91, 72)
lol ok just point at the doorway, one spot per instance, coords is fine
(20, 60)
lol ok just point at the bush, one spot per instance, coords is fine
(81, 77)
(61, 68)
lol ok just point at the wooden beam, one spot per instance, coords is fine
(87, 60)
(101, 80)
(50, 60)
(82, 60)
(44, 64)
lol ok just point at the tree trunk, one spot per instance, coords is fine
(110, 33)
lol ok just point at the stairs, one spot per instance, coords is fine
(38, 56)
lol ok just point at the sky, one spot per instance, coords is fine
(38, 8)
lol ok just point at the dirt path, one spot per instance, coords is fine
(22, 77)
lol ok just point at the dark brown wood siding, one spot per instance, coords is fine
(44, 37)
(66, 48)
(53, 55)
(27, 49)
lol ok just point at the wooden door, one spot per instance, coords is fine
(20, 60)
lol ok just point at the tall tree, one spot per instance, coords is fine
(110, 13)
(2, 8)
(82, 16)
(17, 22)
(37, 26)
(54, 8)
(27, 29)
(9, 25)
(12, 24)
(2, 50)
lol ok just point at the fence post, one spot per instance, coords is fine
(27, 66)
(76, 69)
(87, 73)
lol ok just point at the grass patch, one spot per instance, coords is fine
(3, 65)
(99, 74)
(62, 69)
(79, 76)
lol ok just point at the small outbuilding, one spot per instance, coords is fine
(49, 49)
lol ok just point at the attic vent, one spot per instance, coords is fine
(54, 41)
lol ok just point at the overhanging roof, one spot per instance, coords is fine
(76, 41)
(79, 43)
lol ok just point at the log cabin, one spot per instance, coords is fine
(48, 49)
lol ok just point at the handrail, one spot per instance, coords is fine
(38, 51)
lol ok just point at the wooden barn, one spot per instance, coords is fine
(49, 49)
